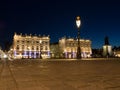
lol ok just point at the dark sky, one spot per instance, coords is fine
(57, 19)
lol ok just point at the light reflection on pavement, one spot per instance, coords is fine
(60, 75)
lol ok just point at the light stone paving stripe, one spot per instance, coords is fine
(7, 80)
(61, 75)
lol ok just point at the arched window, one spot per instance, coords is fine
(37, 48)
(32, 47)
(17, 47)
(46, 48)
(22, 47)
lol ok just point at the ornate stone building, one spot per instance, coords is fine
(29, 46)
(69, 47)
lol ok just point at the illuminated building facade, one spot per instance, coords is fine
(68, 47)
(29, 46)
(107, 48)
(2, 54)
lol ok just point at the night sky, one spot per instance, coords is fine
(57, 19)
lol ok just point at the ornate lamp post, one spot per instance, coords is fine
(40, 49)
(78, 23)
(11, 53)
(28, 51)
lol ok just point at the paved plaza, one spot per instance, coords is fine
(60, 75)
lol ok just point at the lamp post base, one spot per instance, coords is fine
(78, 53)
(40, 57)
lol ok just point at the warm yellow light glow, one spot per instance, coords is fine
(78, 22)
(40, 41)
(69, 47)
(31, 44)
(28, 48)
(5, 56)
(78, 18)
(117, 55)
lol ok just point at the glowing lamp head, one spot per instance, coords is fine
(78, 22)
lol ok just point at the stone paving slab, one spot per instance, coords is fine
(60, 75)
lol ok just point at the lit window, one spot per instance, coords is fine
(22, 47)
(18, 41)
(32, 47)
(46, 48)
(37, 48)
(41, 47)
(17, 47)
(37, 41)
(22, 53)
(22, 42)
(28, 41)
(46, 43)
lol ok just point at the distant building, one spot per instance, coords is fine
(97, 53)
(107, 48)
(2, 54)
(68, 46)
(116, 51)
(55, 50)
(29, 46)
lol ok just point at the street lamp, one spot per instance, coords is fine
(40, 49)
(78, 23)
(11, 53)
(28, 51)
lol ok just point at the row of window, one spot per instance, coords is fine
(75, 49)
(32, 53)
(74, 44)
(38, 42)
(32, 48)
